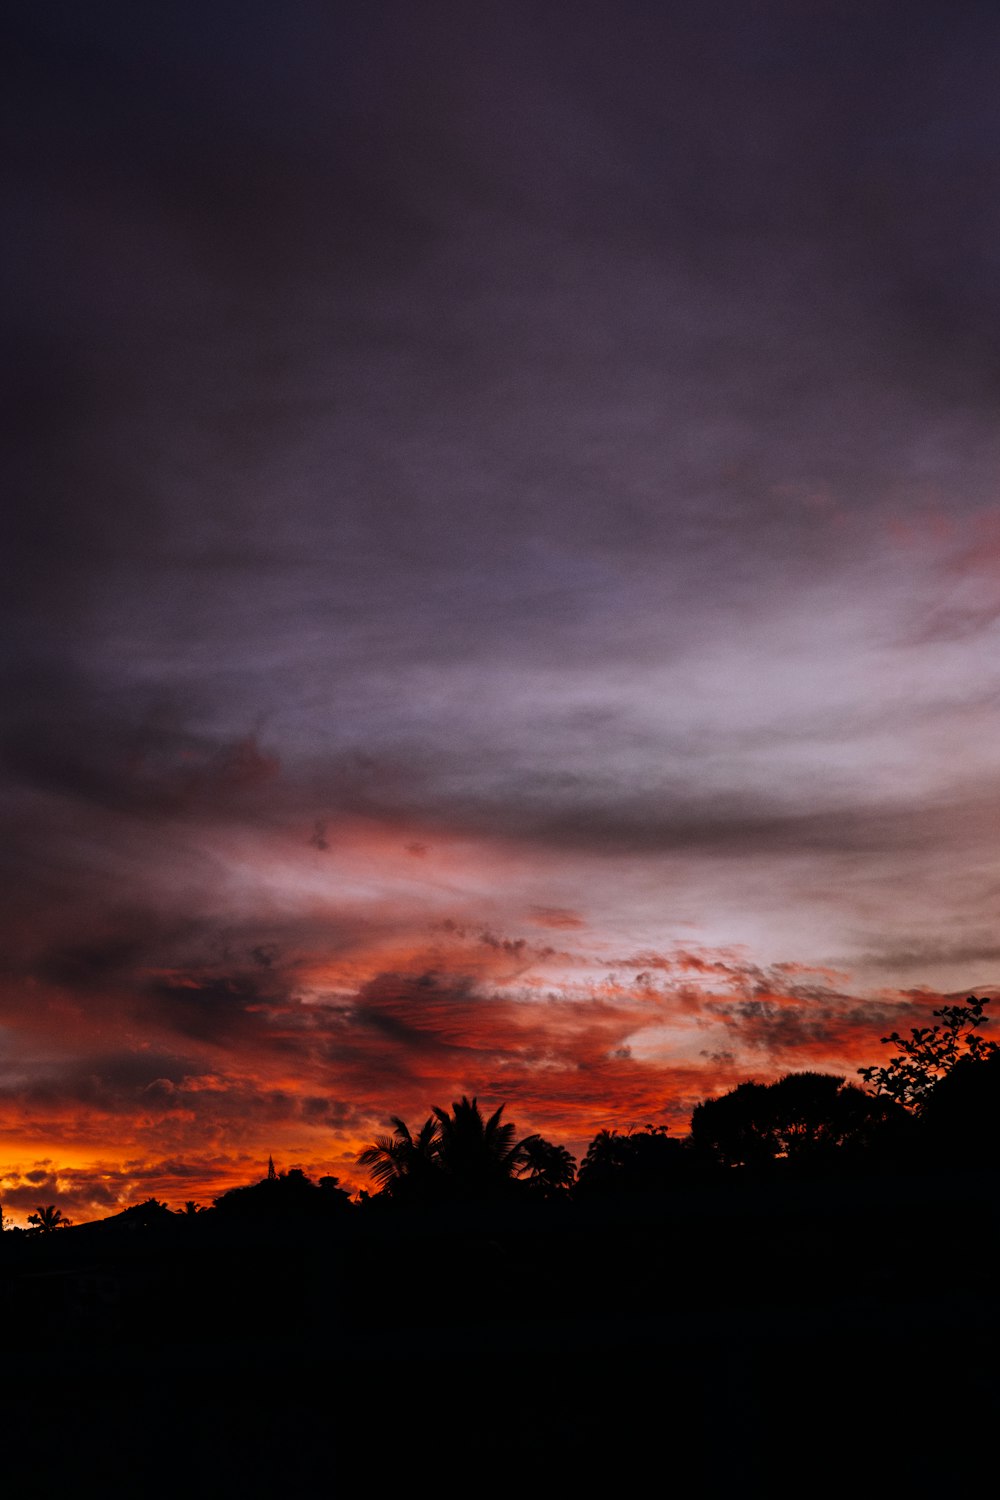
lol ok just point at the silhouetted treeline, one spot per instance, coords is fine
(934, 1105)
(807, 1264)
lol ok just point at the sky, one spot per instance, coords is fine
(503, 569)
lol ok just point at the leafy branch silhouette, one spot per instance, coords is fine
(930, 1052)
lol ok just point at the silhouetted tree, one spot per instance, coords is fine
(636, 1161)
(457, 1154)
(930, 1052)
(735, 1129)
(47, 1220)
(478, 1157)
(802, 1117)
(547, 1170)
(404, 1165)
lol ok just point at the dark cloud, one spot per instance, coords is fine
(919, 953)
(800, 1025)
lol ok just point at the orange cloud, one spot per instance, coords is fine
(556, 916)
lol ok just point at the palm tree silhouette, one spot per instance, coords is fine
(403, 1165)
(48, 1219)
(479, 1156)
(547, 1169)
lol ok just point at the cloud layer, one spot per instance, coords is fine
(493, 501)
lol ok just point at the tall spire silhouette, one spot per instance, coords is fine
(271, 1173)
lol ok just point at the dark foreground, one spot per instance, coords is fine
(769, 1337)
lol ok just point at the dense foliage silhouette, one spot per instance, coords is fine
(635, 1161)
(803, 1118)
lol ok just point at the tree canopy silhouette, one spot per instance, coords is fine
(634, 1161)
(929, 1053)
(802, 1117)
